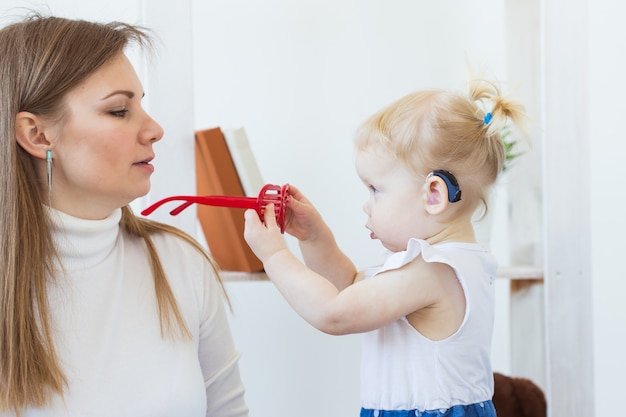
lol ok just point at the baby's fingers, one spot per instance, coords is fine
(251, 217)
(253, 228)
(269, 216)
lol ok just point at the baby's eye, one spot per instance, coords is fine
(373, 189)
(119, 113)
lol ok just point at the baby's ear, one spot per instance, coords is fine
(436, 195)
(29, 134)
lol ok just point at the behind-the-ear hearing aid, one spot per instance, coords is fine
(454, 191)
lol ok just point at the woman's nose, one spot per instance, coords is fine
(154, 131)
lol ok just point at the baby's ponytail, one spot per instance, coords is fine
(497, 111)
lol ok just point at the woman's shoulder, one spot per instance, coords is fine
(179, 246)
(174, 245)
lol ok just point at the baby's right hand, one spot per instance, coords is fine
(263, 236)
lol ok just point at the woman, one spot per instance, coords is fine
(101, 312)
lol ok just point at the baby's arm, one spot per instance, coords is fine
(317, 242)
(361, 307)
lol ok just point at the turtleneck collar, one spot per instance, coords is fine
(83, 243)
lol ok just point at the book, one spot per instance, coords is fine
(245, 162)
(216, 174)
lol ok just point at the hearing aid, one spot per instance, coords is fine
(454, 191)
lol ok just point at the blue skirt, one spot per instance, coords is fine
(483, 409)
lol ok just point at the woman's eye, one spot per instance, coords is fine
(119, 113)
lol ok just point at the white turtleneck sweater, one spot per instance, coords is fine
(106, 327)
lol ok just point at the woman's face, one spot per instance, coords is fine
(103, 147)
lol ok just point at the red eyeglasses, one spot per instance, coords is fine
(270, 193)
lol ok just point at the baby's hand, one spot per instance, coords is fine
(264, 238)
(302, 220)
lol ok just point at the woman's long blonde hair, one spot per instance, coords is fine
(41, 59)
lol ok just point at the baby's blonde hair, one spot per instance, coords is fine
(436, 129)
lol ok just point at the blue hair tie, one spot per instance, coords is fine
(487, 118)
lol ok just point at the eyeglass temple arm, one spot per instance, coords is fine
(221, 201)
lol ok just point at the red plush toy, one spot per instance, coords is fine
(518, 397)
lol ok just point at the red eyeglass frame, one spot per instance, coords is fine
(270, 193)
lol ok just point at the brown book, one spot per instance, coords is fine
(222, 226)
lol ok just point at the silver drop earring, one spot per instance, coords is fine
(49, 163)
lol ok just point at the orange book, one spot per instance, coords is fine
(222, 226)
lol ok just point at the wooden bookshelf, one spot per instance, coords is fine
(517, 273)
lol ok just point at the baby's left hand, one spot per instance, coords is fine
(264, 238)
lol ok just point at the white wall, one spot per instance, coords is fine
(607, 87)
(111, 10)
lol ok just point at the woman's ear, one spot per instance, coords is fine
(30, 135)
(436, 195)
